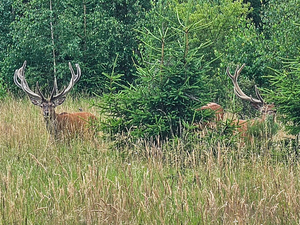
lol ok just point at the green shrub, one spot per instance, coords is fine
(286, 94)
(172, 82)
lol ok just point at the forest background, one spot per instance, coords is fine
(155, 62)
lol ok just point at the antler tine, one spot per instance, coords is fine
(26, 88)
(234, 78)
(237, 90)
(78, 70)
(243, 97)
(74, 79)
(16, 79)
(20, 74)
(258, 95)
(55, 88)
(39, 91)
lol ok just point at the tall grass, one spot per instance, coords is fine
(196, 180)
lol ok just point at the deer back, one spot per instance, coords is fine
(74, 123)
(218, 115)
(216, 108)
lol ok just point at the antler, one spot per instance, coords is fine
(239, 92)
(38, 98)
(60, 97)
(35, 98)
(19, 74)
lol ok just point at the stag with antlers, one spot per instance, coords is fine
(59, 125)
(258, 103)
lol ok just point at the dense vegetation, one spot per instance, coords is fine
(157, 61)
(199, 181)
(147, 66)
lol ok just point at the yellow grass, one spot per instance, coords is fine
(197, 180)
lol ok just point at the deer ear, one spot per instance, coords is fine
(58, 101)
(35, 100)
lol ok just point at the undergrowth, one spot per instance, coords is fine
(201, 178)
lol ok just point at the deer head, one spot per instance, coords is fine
(56, 99)
(258, 103)
(63, 125)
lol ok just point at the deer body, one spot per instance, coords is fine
(242, 126)
(59, 125)
(218, 115)
(70, 124)
(258, 103)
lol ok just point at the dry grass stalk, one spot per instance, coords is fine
(191, 181)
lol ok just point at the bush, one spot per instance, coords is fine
(172, 81)
(286, 94)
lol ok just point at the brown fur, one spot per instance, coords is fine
(68, 125)
(241, 125)
(74, 122)
(219, 112)
(60, 125)
(218, 116)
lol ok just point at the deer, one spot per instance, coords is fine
(60, 125)
(217, 117)
(258, 103)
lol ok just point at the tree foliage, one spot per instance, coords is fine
(286, 94)
(171, 76)
(51, 33)
(159, 43)
(7, 17)
(282, 55)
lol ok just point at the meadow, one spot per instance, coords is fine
(200, 180)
